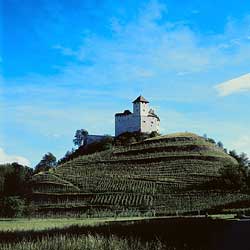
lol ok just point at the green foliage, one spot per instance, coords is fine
(244, 165)
(105, 144)
(234, 177)
(15, 186)
(12, 206)
(81, 137)
(14, 178)
(128, 138)
(29, 210)
(48, 162)
(154, 134)
(220, 144)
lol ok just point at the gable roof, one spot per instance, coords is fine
(140, 99)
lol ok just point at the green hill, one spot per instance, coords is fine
(163, 174)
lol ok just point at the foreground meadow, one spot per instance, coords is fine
(37, 224)
(181, 233)
(88, 242)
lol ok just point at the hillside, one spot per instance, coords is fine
(163, 174)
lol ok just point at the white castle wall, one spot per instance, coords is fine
(149, 124)
(140, 120)
(126, 123)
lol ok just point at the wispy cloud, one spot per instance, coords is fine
(236, 85)
(168, 61)
(242, 144)
(7, 158)
(152, 49)
(148, 48)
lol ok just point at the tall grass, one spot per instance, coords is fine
(88, 242)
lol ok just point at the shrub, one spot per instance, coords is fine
(233, 177)
(13, 206)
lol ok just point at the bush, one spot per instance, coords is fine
(13, 206)
(233, 177)
(29, 210)
(128, 138)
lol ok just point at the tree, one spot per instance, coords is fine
(233, 176)
(29, 209)
(244, 160)
(13, 206)
(107, 142)
(15, 178)
(81, 137)
(220, 144)
(154, 134)
(69, 155)
(211, 140)
(48, 161)
(234, 154)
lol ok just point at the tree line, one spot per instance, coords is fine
(14, 190)
(232, 176)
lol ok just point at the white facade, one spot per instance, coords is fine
(142, 119)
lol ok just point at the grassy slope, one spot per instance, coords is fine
(151, 175)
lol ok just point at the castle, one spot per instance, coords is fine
(142, 119)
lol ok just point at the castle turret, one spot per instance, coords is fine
(140, 106)
(142, 119)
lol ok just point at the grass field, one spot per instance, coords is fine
(37, 224)
(88, 242)
(169, 233)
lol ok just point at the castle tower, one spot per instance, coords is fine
(143, 119)
(140, 106)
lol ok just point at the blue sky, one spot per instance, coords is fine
(67, 65)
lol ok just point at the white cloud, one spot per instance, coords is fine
(242, 144)
(150, 48)
(149, 54)
(239, 84)
(6, 158)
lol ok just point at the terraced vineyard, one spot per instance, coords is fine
(162, 175)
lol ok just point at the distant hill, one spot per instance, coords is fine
(163, 175)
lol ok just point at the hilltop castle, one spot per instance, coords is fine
(142, 119)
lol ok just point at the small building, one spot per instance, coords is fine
(94, 138)
(142, 119)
